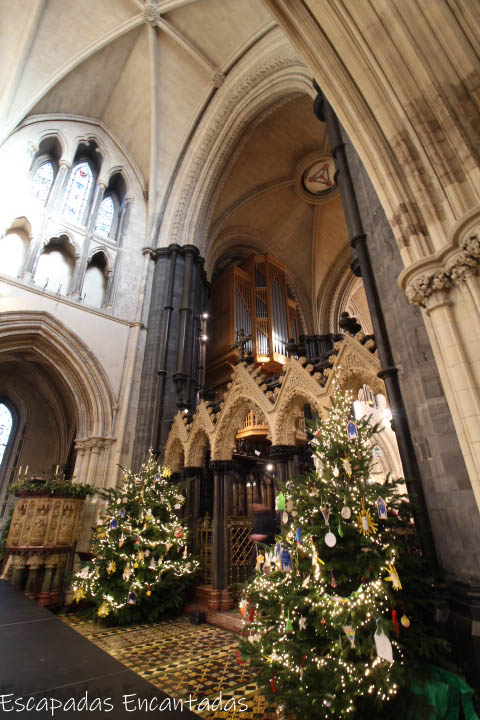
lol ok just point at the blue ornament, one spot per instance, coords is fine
(352, 432)
(132, 598)
(298, 536)
(286, 561)
(122, 512)
(114, 524)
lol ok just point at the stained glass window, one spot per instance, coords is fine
(42, 182)
(5, 428)
(106, 211)
(77, 192)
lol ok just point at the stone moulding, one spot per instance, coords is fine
(453, 264)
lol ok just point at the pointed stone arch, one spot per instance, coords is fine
(231, 420)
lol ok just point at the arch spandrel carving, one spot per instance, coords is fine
(280, 410)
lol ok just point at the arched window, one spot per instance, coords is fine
(77, 193)
(55, 266)
(106, 212)
(42, 182)
(6, 422)
(13, 247)
(95, 281)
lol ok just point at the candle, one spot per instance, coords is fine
(26, 470)
(56, 471)
(19, 469)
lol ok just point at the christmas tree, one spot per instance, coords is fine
(338, 617)
(141, 566)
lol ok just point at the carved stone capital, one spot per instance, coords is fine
(452, 265)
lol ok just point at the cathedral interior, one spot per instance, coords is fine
(210, 206)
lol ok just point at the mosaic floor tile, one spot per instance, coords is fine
(185, 660)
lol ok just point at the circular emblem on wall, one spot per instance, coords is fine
(318, 178)
(315, 175)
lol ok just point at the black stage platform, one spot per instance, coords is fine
(46, 666)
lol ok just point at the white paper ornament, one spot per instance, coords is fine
(284, 517)
(330, 539)
(384, 646)
(289, 505)
(345, 512)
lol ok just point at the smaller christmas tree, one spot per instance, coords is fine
(141, 566)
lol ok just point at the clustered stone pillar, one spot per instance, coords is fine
(171, 375)
(192, 503)
(221, 598)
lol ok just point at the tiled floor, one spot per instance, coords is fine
(183, 659)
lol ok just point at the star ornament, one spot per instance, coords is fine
(365, 523)
(302, 623)
(393, 577)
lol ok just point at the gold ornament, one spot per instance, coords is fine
(365, 522)
(78, 594)
(405, 621)
(393, 578)
(111, 567)
(103, 610)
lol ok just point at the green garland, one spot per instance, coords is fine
(54, 486)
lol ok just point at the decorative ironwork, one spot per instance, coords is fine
(204, 547)
(242, 553)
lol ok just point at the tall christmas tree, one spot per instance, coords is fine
(338, 615)
(141, 566)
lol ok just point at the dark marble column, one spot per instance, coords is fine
(284, 458)
(222, 501)
(170, 379)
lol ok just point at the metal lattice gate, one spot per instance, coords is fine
(242, 553)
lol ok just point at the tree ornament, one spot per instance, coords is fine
(298, 536)
(179, 532)
(280, 501)
(326, 514)
(288, 624)
(83, 572)
(273, 685)
(260, 561)
(242, 607)
(336, 471)
(121, 540)
(127, 572)
(405, 621)
(345, 512)
(284, 517)
(286, 560)
(135, 564)
(289, 506)
(136, 542)
(140, 556)
(365, 521)
(78, 595)
(168, 545)
(350, 633)
(111, 567)
(383, 644)
(382, 508)
(153, 565)
(149, 514)
(185, 552)
(132, 598)
(147, 553)
(302, 624)
(339, 529)
(306, 582)
(330, 539)
(393, 577)
(122, 512)
(347, 467)
(103, 610)
(396, 625)
(333, 582)
(114, 524)
(352, 431)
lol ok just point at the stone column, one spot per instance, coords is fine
(192, 502)
(57, 580)
(18, 563)
(34, 562)
(44, 596)
(179, 293)
(222, 471)
(284, 457)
